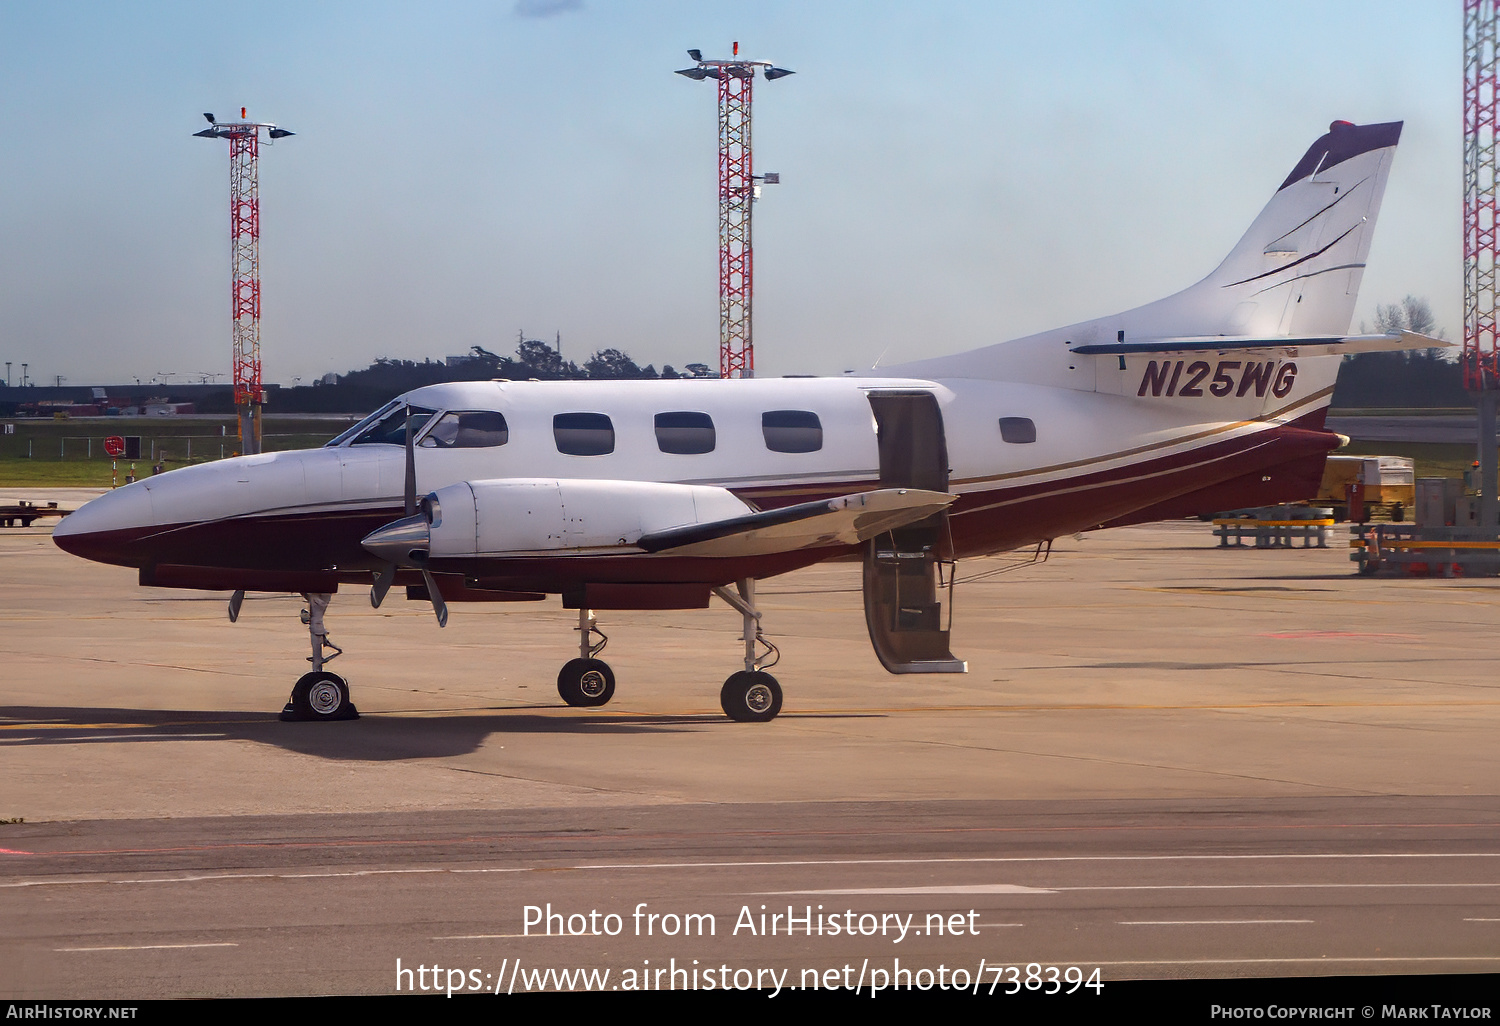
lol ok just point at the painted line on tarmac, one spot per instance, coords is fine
(1274, 886)
(152, 947)
(1298, 961)
(208, 877)
(992, 888)
(1208, 921)
(991, 859)
(16, 742)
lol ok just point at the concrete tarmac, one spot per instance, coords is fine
(1168, 759)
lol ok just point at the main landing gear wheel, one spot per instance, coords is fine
(586, 682)
(320, 696)
(751, 696)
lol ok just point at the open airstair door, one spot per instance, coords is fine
(904, 567)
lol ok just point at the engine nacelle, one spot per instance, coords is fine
(522, 515)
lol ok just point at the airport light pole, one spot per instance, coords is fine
(244, 248)
(737, 193)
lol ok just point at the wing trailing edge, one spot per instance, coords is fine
(845, 520)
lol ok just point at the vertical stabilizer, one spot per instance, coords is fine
(1296, 271)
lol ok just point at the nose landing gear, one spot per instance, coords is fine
(319, 696)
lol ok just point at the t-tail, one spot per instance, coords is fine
(1285, 293)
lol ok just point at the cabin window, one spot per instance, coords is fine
(583, 434)
(792, 431)
(476, 429)
(1017, 429)
(684, 433)
(390, 429)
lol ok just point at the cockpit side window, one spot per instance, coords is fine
(468, 429)
(373, 418)
(390, 429)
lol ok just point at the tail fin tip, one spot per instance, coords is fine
(1344, 141)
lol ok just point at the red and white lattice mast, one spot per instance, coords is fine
(1481, 372)
(737, 192)
(244, 249)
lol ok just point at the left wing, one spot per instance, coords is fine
(508, 518)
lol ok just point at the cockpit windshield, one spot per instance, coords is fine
(386, 426)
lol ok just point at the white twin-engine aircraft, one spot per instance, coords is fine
(658, 494)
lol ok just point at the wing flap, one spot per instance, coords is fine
(846, 520)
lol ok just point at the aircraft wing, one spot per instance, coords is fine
(846, 520)
(1309, 345)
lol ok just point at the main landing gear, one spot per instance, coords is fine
(319, 695)
(750, 695)
(586, 681)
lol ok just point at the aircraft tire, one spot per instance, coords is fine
(320, 696)
(586, 683)
(751, 696)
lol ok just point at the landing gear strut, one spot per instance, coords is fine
(750, 695)
(587, 681)
(319, 695)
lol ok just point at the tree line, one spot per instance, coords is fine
(373, 386)
(1412, 378)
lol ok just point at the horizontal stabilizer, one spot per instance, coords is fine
(846, 520)
(1294, 346)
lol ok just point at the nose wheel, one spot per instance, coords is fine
(319, 696)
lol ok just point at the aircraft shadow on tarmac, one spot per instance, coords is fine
(384, 737)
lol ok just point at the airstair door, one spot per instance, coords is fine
(903, 574)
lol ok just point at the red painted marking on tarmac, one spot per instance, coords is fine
(1336, 634)
(14, 851)
(494, 838)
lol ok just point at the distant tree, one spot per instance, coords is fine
(1413, 377)
(698, 370)
(611, 364)
(1411, 314)
(544, 361)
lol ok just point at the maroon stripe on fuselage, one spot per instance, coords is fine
(1221, 475)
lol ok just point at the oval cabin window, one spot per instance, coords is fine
(1017, 429)
(792, 431)
(583, 434)
(684, 433)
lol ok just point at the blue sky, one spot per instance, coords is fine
(954, 174)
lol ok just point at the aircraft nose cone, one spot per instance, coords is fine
(404, 542)
(103, 529)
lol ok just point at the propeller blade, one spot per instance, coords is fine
(383, 582)
(439, 607)
(411, 468)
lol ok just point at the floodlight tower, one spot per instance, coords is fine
(1481, 370)
(737, 191)
(244, 250)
